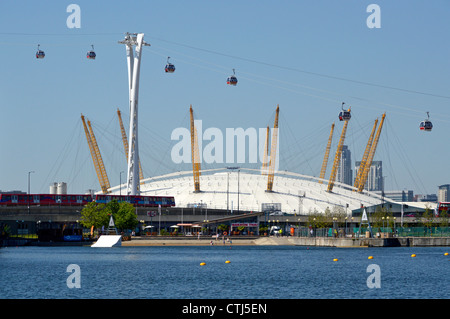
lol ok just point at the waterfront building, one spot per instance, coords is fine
(398, 195)
(426, 198)
(444, 193)
(374, 178)
(345, 172)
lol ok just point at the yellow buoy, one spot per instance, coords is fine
(370, 257)
(446, 254)
(227, 262)
(413, 255)
(335, 259)
(202, 264)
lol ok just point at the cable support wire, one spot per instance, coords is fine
(290, 68)
(283, 86)
(439, 117)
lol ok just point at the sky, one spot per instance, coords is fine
(305, 56)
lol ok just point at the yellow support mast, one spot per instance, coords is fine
(370, 157)
(273, 152)
(326, 156)
(266, 153)
(365, 156)
(337, 157)
(125, 145)
(96, 157)
(195, 154)
(106, 184)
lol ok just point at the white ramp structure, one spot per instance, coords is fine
(108, 241)
(134, 61)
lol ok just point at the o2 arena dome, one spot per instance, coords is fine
(246, 190)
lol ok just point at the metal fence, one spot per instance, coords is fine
(376, 232)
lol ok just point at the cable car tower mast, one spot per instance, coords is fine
(273, 152)
(196, 165)
(134, 62)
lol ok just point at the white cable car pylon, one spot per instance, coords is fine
(134, 61)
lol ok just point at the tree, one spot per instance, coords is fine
(443, 218)
(223, 227)
(123, 214)
(318, 220)
(382, 217)
(427, 218)
(94, 214)
(98, 215)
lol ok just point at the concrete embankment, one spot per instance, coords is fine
(188, 242)
(355, 242)
(296, 241)
(262, 241)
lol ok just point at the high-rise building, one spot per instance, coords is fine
(444, 193)
(374, 180)
(398, 196)
(345, 172)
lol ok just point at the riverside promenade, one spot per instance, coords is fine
(293, 241)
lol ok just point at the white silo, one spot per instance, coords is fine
(62, 188)
(53, 188)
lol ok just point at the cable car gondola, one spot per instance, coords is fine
(232, 80)
(170, 68)
(40, 54)
(91, 54)
(426, 124)
(344, 115)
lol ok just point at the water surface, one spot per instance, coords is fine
(286, 272)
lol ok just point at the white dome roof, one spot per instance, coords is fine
(295, 193)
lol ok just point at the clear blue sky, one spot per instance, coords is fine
(306, 56)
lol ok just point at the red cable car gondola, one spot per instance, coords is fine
(170, 68)
(426, 124)
(232, 80)
(91, 54)
(40, 54)
(344, 115)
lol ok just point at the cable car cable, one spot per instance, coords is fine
(304, 71)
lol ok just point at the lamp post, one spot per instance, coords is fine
(238, 190)
(228, 190)
(29, 181)
(394, 225)
(238, 169)
(334, 226)
(346, 225)
(28, 197)
(120, 184)
(387, 222)
(314, 222)
(351, 223)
